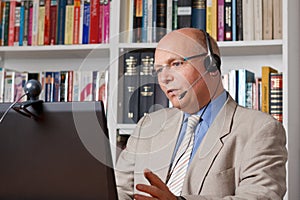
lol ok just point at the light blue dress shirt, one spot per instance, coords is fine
(208, 117)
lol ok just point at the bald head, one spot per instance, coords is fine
(179, 40)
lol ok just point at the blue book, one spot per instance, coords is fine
(199, 14)
(61, 16)
(154, 16)
(49, 84)
(233, 17)
(56, 93)
(86, 23)
(22, 19)
(145, 21)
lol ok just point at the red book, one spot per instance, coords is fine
(94, 21)
(53, 17)
(76, 22)
(11, 27)
(29, 37)
(101, 12)
(47, 22)
(17, 24)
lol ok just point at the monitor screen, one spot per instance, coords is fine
(65, 154)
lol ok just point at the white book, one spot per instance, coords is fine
(150, 19)
(248, 20)
(35, 24)
(267, 19)
(86, 86)
(9, 83)
(76, 81)
(232, 83)
(258, 18)
(2, 77)
(169, 15)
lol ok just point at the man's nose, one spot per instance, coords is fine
(166, 75)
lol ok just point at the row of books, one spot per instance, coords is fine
(51, 22)
(261, 93)
(141, 92)
(224, 20)
(57, 86)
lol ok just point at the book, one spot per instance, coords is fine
(209, 16)
(76, 22)
(233, 20)
(26, 23)
(69, 22)
(184, 13)
(258, 19)
(265, 86)
(60, 25)
(257, 94)
(199, 14)
(276, 96)
(174, 14)
(228, 20)
(277, 19)
(22, 24)
(86, 22)
(106, 21)
(41, 23)
(63, 87)
(214, 20)
(35, 22)
(137, 20)
(169, 20)
(17, 27)
(161, 19)
(12, 19)
(126, 26)
(146, 83)
(267, 19)
(53, 21)
(130, 85)
(145, 21)
(49, 86)
(221, 21)
(244, 88)
(248, 20)
(2, 78)
(6, 23)
(9, 86)
(233, 84)
(70, 85)
(47, 22)
(94, 21)
(86, 86)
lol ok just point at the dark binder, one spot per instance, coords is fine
(161, 19)
(184, 13)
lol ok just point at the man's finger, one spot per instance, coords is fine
(155, 180)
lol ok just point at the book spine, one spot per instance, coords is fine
(233, 20)
(209, 17)
(35, 22)
(154, 22)
(12, 18)
(265, 84)
(26, 23)
(86, 86)
(276, 96)
(267, 19)
(94, 21)
(63, 87)
(131, 82)
(221, 20)
(137, 24)
(239, 20)
(169, 16)
(9, 86)
(258, 18)
(161, 19)
(49, 84)
(56, 95)
(69, 22)
(145, 21)
(70, 85)
(2, 5)
(2, 77)
(228, 20)
(184, 13)
(106, 21)
(76, 22)
(149, 21)
(199, 14)
(41, 23)
(76, 80)
(147, 84)
(81, 21)
(101, 22)
(29, 37)
(22, 24)
(47, 22)
(175, 15)
(277, 19)
(86, 23)
(17, 25)
(53, 25)
(61, 15)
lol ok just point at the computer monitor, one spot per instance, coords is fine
(65, 154)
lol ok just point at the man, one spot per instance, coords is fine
(233, 152)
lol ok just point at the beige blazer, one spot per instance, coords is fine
(242, 156)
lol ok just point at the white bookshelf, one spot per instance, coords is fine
(282, 54)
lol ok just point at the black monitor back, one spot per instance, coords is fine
(63, 155)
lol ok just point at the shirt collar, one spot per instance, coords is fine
(212, 109)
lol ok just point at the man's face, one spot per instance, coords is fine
(179, 75)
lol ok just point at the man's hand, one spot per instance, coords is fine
(158, 189)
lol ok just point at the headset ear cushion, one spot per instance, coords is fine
(212, 63)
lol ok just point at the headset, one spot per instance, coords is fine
(212, 62)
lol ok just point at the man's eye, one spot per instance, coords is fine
(159, 70)
(177, 63)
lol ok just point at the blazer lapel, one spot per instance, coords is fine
(161, 152)
(209, 149)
